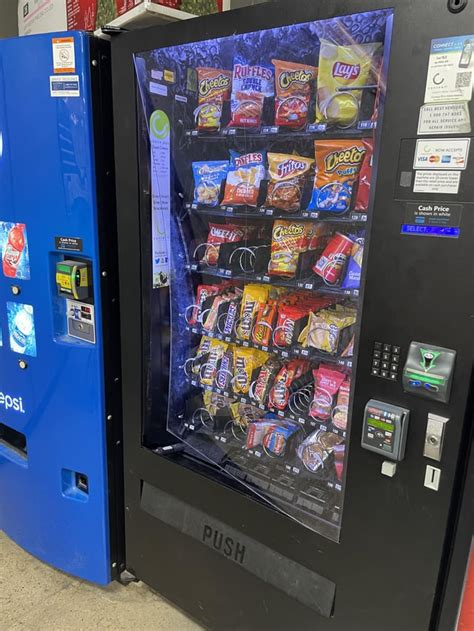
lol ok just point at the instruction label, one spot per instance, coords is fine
(64, 86)
(64, 57)
(437, 182)
(450, 69)
(433, 214)
(444, 118)
(436, 153)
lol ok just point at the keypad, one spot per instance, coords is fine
(385, 361)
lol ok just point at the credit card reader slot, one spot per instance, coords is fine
(74, 284)
(385, 429)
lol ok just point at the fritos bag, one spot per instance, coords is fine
(213, 90)
(337, 167)
(342, 67)
(250, 86)
(293, 84)
(244, 178)
(287, 176)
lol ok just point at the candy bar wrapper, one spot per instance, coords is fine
(280, 392)
(354, 266)
(253, 297)
(245, 362)
(264, 324)
(339, 413)
(225, 372)
(208, 177)
(208, 370)
(265, 379)
(202, 294)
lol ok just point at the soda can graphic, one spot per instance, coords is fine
(331, 263)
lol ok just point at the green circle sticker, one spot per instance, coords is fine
(160, 125)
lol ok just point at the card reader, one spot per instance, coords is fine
(385, 429)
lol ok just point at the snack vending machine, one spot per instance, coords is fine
(60, 424)
(295, 232)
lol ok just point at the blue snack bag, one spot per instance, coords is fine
(208, 177)
(354, 266)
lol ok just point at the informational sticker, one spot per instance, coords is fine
(158, 88)
(450, 69)
(161, 196)
(64, 57)
(64, 86)
(157, 74)
(442, 153)
(433, 214)
(444, 118)
(437, 182)
(14, 250)
(69, 244)
(168, 75)
(21, 328)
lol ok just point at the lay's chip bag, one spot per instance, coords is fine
(338, 164)
(341, 69)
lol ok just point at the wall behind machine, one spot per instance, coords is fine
(8, 18)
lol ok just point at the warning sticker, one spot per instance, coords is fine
(444, 118)
(437, 182)
(450, 69)
(64, 57)
(64, 86)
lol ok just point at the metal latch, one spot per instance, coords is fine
(434, 437)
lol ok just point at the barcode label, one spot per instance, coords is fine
(463, 79)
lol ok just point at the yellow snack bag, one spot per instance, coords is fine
(340, 68)
(209, 368)
(252, 298)
(245, 362)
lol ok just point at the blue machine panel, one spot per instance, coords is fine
(53, 460)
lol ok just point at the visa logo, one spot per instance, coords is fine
(11, 403)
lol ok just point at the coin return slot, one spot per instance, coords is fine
(14, 440)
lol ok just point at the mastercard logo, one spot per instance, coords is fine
(434, 159)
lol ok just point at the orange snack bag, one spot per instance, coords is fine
(213, 89)
(293, 83)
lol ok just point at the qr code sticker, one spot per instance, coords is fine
(463, 79)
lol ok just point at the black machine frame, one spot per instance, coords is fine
(398, 545)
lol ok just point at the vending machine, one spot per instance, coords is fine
(295, 221)
(60, 423)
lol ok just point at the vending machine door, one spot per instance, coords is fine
(60, 421)
(291, 211)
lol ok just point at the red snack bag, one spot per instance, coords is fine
(327, 382)
(244, 177)
(221, 233)
(280, 392)
(365, 177)
(288, 315)
(264, 323)
(293, 83)
(202, 294)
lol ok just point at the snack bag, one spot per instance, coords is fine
(288, 315)
(245, 362)
(327, 382)
(264, 381)
(202, 294)
(325, 327)
(339, 413)
(213, 90)
(244, 413)
(244, 178)
(293, 83)
(208, 370)
(287, 177)
(276, 439)
(252, 298)
(250, 86)
(193, 364)
(354, 266)
(289, 240)
(337, 166)
(256, 432)
(208, 177)
(221, 233)
(315, 449)
(342, 67)
(365, 177)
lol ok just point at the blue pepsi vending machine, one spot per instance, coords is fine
(60, 443)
